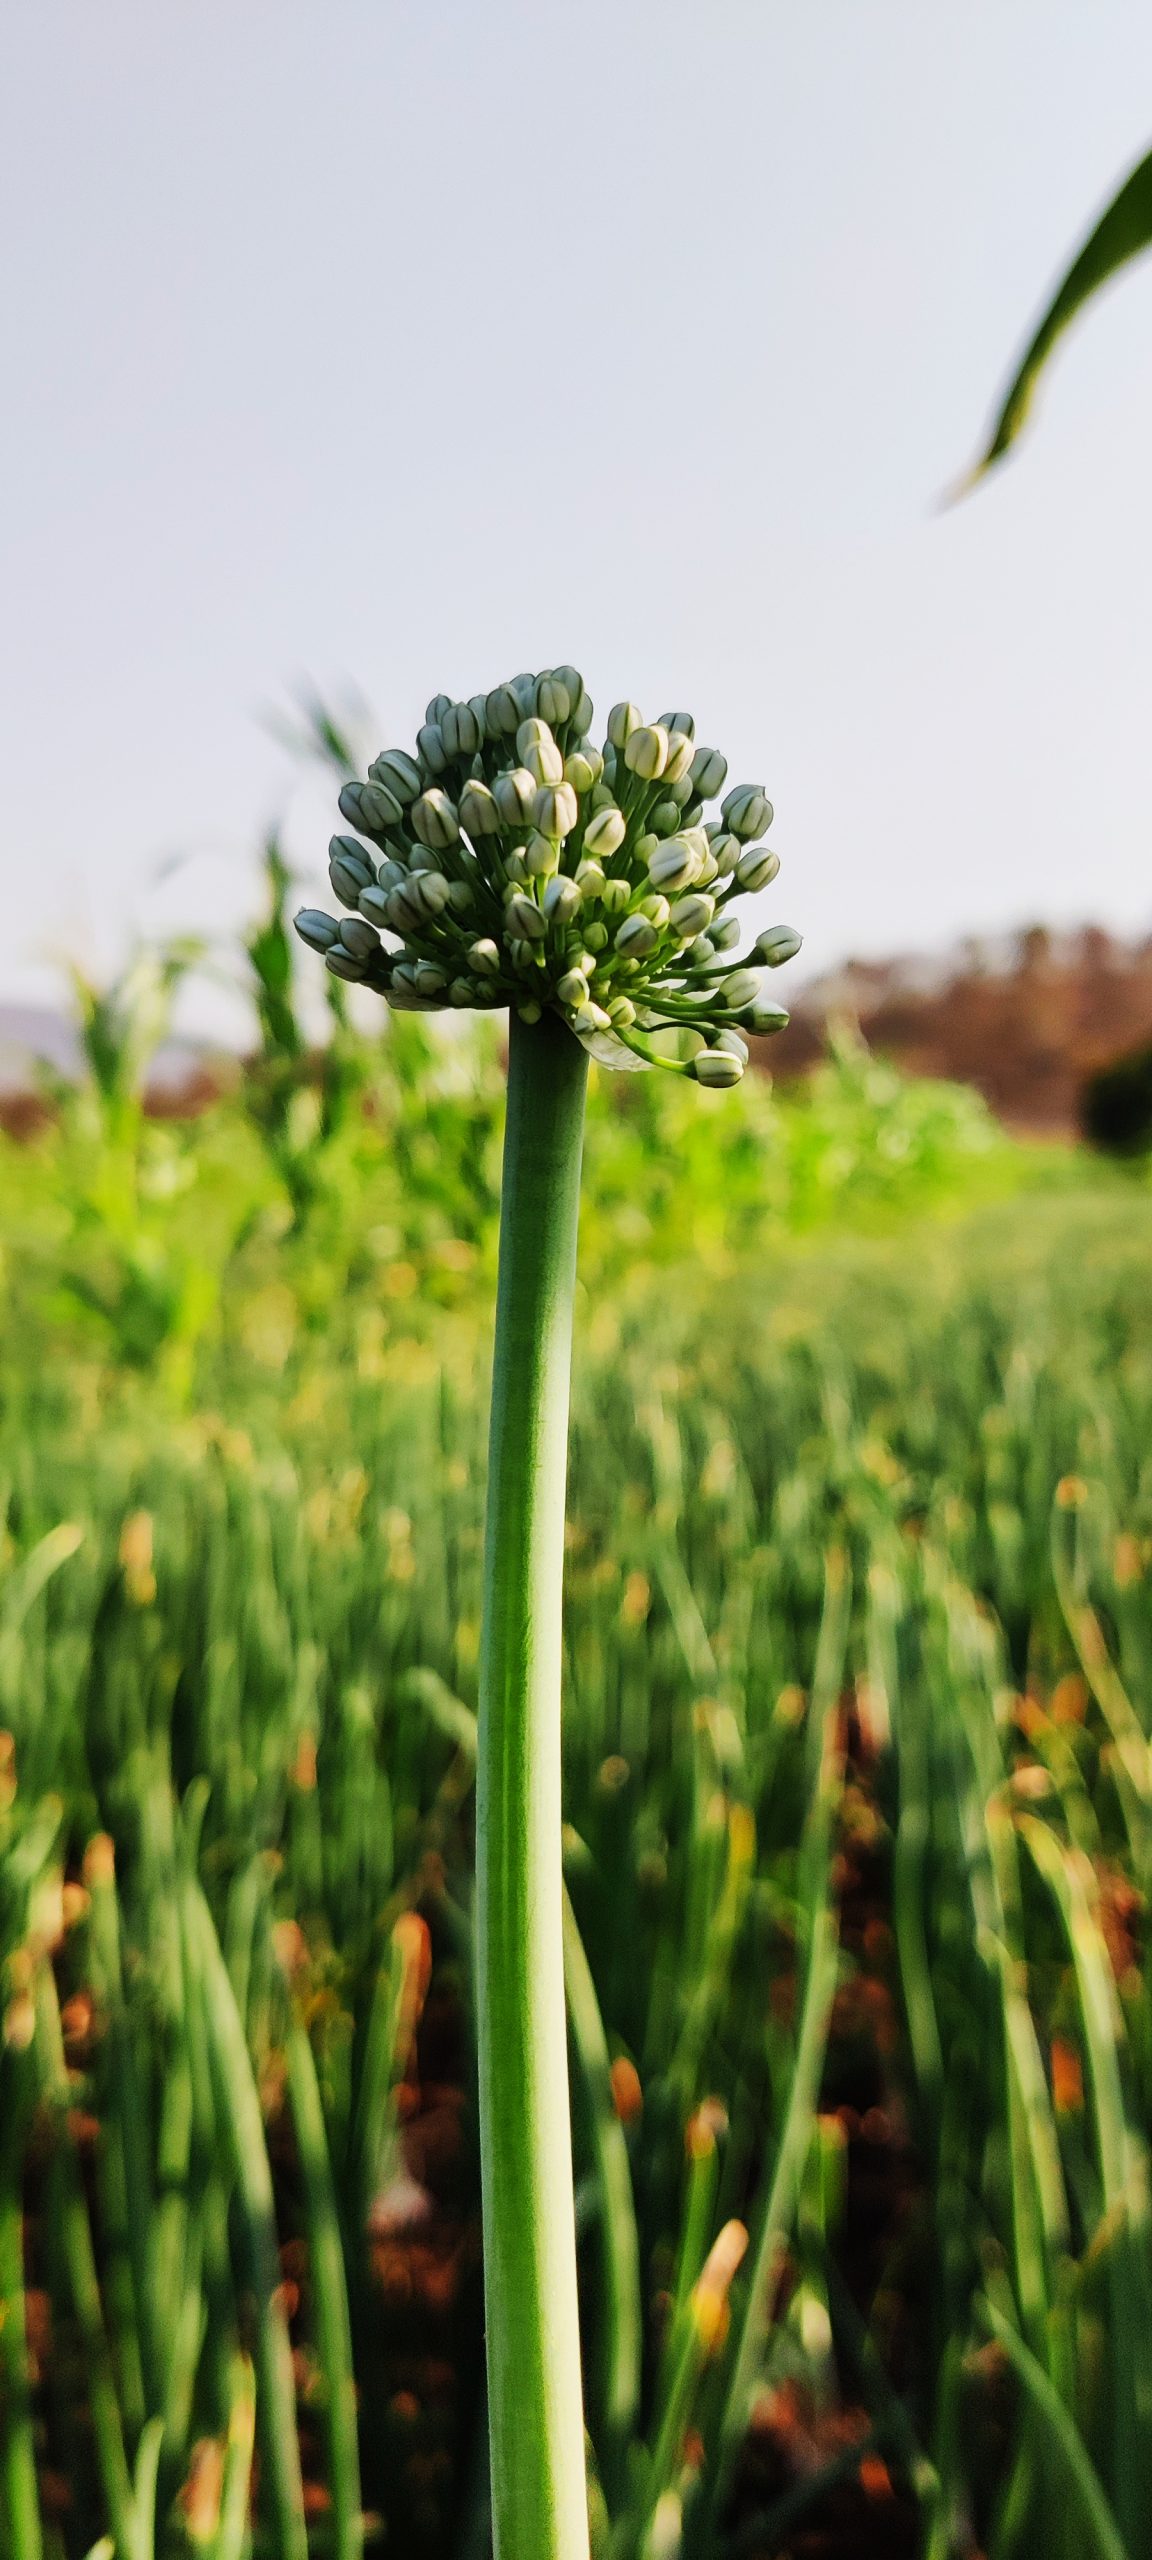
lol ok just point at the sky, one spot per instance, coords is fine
(393, 348)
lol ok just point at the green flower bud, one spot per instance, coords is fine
(556, 810)
(591, 1017)
(462, 992)
(430, 978)
(778, 944)
(479, 814)
(525, 689)
(319, 931)
(645, 847)
(664, 818)
(678, 763)
(405, 913)
(746, 811)
(690, 915)
(373, 903)
(431, 749)
(515, 870)
(349, 870)
(615, 895)
(484, 957)
(605, 833)
(717, 1067)
(435, 821)
(543, 760)
(674, 864)
(584, 712)
(431, 892)
(583, 767)
(514, 794)
(679, 787)
(369, 806)
(757, 866)
(590, 878)
(636, 938)
(726, 850)
(765, 1017)
(502, 713)
(646, 753)
(622, 720)
(358, 937)
(611, 765)
(529, 1012)
(725, 933)
(344, 965)
(460, 898)
(541, 855)
(679, 724)
(572, 988)
(440, 703)
(460, 730)
(400, 774)
(523, 918)
(621, 1013)
(562, 899)
(741, 989)
(596, 936)
(709, 772)
(556, 703)
(657, 911)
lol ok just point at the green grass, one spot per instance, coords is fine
(858, 1695)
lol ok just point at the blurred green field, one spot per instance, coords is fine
(859, 1796)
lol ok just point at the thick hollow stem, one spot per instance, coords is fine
(535, 2409)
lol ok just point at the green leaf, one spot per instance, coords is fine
(1123, 232)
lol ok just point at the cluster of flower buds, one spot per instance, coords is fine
(511, 862)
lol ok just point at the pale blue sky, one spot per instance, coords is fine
(413, 345)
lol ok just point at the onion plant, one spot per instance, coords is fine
(511, 862)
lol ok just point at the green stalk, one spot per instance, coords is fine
(539, 2497)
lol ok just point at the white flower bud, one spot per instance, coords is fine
(690, 915)
(678, 762)
(733, 1042)
(479, 813)
(757, 866)
(591, 1017)
(462, 992)
(430, 978)
(543, 760)
(621, 1013)
(358, 937)
(583, 714)
(765, 1017)
(502, 713)
(348, 879)
(460, 730)
(725, 933)
(615, 895)
(319, 931)
(399, 773)
(435, 821)
(523, 918)
(674, 865)
(484, 957)
(343, 964)
(741, 989)
(556, 810)
(590, 877)
(572, 988)
(636, 938)
(657, 911)
(514, 794)
(646, 753)
(605, 833)
(622, 720)
(430, 890)
(430, 745)
(562, 899)
(370, 806)
(679, 724)
(717, 1067)
(709, 772)
(726, 850)
(541, 856)
(778, 944)
(556, 703)
(746, 811)
(373, 903)
(583, 767)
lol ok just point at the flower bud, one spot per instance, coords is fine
(460, 730)
(373, 903)
(673, 865)
(725, 933)
(502, 713)
(584, 713)
(733, 1042)
(556, 703)
(460, 898)
(399, 773)
(621, 1013)
(461, 992)
(596, 937)
(757, 866)
(664, 819)
(717, 1067)
(370, 806)
(514, 794)
(615, 895)
(591, 1017)
(746, 811)
(405, 914)
(780, 943)
(529, 1011)
(316, 929)
(646, 753)
(590, 878)
(765, 1017)
(678, 764)
(679, 724)
(349, 869)
(709, 772)
(435, 821)
(431, 979)
(343, 964)
(525, 689)
(484, 957)
(556, 810)
(543, 760)
(562, 899)
(636, 938)
(583, 767)
(657, 911)
(622, 720)
(741, 989)
(726, 850)
(479, 813)
(541, 855)
(572, 988)
(430, 746)
(605, 833)
(430, 890)
(440, 703)
(523, 918)
(690, 915)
